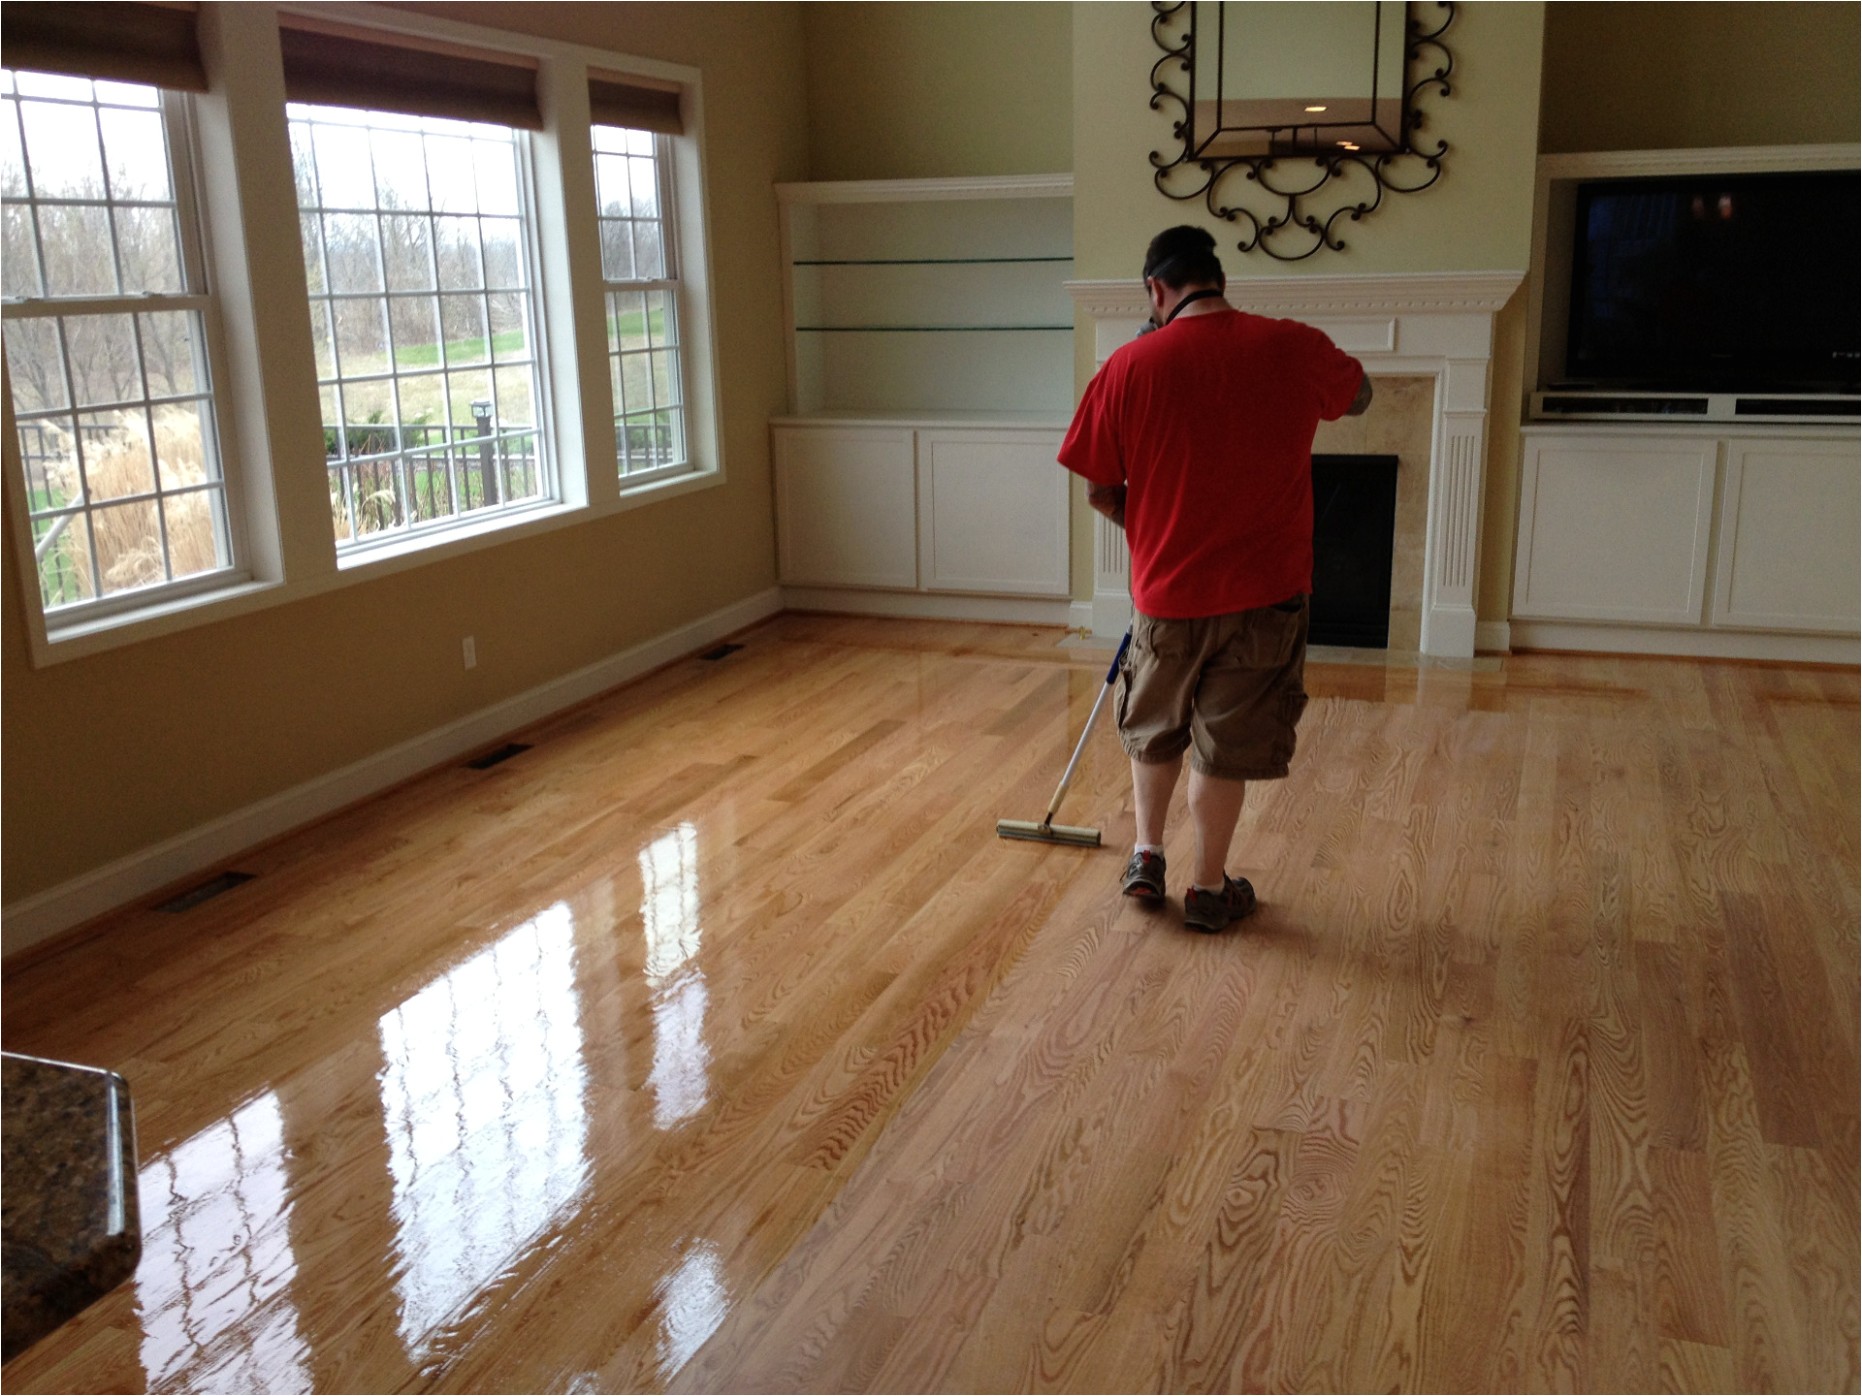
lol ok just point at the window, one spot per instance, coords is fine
(640, 270)
(107, 328)
(417, 241)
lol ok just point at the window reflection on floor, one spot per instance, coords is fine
(693, 1302)
(214, 1285)
(483, 1096)
(681, 1079)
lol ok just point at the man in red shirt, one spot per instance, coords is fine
(1197, 441)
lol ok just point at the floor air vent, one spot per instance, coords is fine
(720, 652)
(207, 891)
(493, 758)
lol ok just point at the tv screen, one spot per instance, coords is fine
(1717, 283)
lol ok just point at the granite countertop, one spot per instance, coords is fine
(70, 1231)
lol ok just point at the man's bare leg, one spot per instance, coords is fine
(1152, 785)
(1215, 810)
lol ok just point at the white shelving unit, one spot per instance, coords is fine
(1710, 538)
(930, 345)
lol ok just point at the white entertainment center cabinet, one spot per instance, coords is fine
(1726, 536)
(930, 340)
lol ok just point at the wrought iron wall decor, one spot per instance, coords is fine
(1289, 171)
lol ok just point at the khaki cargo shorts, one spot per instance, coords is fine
(1231, 688)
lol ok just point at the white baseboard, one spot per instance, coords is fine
(1493, 637)
(920, 605)
(1685, 642)
(49, 913)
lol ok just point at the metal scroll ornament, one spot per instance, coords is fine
(1299, 180)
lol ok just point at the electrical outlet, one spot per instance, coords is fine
(470, 646)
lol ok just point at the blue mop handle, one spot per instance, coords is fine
(1119, 658)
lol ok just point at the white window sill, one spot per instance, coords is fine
(395, 551)
(80, 636)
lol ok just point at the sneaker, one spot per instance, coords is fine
(1144, 877)
(1213, 911)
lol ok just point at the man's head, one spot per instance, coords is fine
(1183, 258)
(1179, 261)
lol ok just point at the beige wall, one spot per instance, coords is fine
(919, 91)
(1477, 218)
(109, 754)
(1636, 76)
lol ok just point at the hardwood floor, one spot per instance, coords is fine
(717, 1043)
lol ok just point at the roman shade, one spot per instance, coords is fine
(343, 66)
(120, 42)
(639, 103)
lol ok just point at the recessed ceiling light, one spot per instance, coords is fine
(1315, 108)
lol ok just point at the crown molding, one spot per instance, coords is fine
(1405, 293)
(1745, 159)
(885, 191)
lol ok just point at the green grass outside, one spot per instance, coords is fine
(459, 351)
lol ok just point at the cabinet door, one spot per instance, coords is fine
(992, 512)
(845, 502)
(1789, 538)
(1614, 528)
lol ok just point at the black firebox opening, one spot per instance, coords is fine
(1353, 537)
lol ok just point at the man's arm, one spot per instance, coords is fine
(1361, 403)
(1108, 500)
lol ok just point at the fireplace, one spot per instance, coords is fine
(1354, 500)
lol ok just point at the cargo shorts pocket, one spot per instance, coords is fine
(1268, 635)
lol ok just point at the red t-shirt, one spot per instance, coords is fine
(1209, 424)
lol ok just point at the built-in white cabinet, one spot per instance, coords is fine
(847, 507)
(1789, 555)
(930, 338)
(1614, 528)
(1696, 531)
(992, 512)
(933, 509)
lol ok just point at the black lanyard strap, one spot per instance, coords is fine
(1207, 293)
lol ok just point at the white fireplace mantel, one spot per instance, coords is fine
(1436, 325)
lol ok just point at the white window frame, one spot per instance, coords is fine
(197, 298)
(266, 397)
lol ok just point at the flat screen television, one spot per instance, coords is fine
(1717, 283)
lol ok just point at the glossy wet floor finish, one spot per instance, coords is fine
(717, 1043)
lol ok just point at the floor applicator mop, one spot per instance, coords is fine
(1047, 831)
